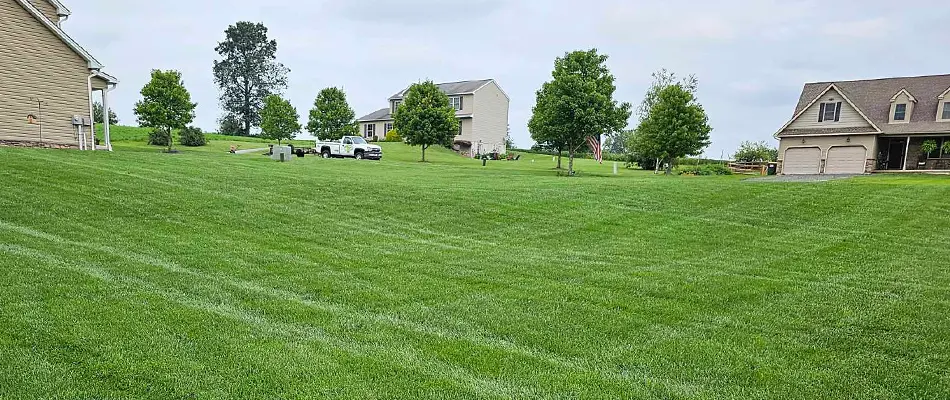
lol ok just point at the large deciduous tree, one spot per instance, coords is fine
(165, 104)
(578, 103)
(248, 72)
(676, 127)
(547, 134)
(332, 117)
(279, 119)
(425, 117)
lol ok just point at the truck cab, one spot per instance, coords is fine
(350, 147)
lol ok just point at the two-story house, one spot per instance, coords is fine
(47, 79)
(481, 107)
(864, 126)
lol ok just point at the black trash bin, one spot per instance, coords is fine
(773, 169)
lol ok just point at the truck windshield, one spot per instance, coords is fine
(358, 140)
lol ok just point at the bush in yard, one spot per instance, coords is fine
(192, 136)
(230, 125)
(755, 152)
(158, 137)
(704, 170)
(393, 136)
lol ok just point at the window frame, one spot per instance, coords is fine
(940, 153)
(946, 111)
(396, 104)
(367, 128)
(388, 127)
(829, 112)
(902, 113)
(455, 99)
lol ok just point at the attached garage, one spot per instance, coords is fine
(846, 160)
(802, 161)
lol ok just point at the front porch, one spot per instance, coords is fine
(905, 154)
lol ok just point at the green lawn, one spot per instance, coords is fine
(206, 275)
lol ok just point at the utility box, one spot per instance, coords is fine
(281, 153)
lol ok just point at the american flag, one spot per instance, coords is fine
(594, 144)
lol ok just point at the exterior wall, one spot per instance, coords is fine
(901, 99)
(37, 64)
(48, 9)
(490, 122)
(849, 116)
(914, 156)
(827, 142)
(380, 129)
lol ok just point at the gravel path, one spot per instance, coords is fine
(799, 178)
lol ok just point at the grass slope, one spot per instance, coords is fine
(136, 274)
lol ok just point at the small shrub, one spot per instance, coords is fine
(393, 136)
(928, 147)
(158, 137)
(192, 137)
(375, 138)
(704, 170)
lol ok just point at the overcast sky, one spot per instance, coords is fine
(752, 57)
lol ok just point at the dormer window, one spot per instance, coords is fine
(396, 104)
(829, 112)
(900, 112)
(946, 110)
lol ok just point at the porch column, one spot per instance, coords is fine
(906, 154)
(105, 117)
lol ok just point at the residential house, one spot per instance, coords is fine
(865, 126)
(47, 80)
(481, 107)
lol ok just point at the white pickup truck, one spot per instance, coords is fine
(350, 146)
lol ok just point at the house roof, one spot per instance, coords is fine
(452, 88)
(872, 98)
(93, 63)
(382, 114)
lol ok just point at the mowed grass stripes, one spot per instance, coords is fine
(205, 275)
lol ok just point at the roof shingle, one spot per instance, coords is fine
(451, 88)
(873, 98)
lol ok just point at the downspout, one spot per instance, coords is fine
(92, 117)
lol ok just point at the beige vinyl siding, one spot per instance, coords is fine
(825, 143)
(35, 63)
(490, 119)
(850, 118)
(48, 9)
(901, 99)
(467, 125)
(380, 129)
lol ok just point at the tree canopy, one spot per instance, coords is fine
(676, 127)
(578, 104)
(755, 152)
(425, 117)
(279, 119)
(331, 117)
(248, 72)
(165, 104)
(98, 113)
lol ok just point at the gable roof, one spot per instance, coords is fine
(382, 114)
(906, 93)
(872, 99)
(944, 94)
(452, 88)
(93, 63)
(801, 109)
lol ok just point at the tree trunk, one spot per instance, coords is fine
(669, 167)
(424, 153)
(169, 131)
(570, 163)
(559, 159)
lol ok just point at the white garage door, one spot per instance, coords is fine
(803, 161)
(846, 160)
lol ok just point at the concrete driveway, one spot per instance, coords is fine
(799, 178)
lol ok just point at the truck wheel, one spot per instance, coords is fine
(359, 155)
(325, 153)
